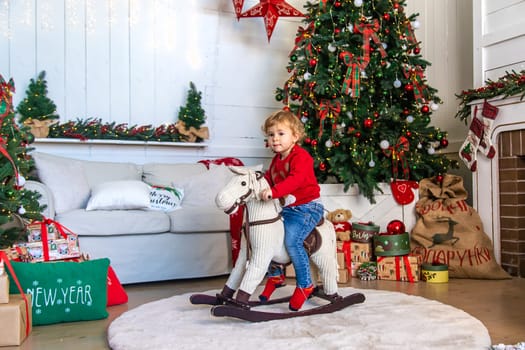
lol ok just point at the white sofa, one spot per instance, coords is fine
(143, 245)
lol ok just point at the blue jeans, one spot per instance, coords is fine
(299, 221)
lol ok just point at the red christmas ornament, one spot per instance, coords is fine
(358, 134)
(376, 115)
(439, 179)
(395, 227)
(409, 87)
(406, 111)
(314, 143)
(443, 143)
(337, 4)
(368, 123)
(307, 140)
(417, 50)
(322, 166)
(337, 143)
(408, 133)
(312, 62)
(270, 10)
(425, 109)
(386, 16)
(337, 31)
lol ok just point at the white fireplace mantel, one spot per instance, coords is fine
(485, 184)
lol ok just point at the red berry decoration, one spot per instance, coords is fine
(395, 227)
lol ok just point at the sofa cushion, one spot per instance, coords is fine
(204, 219)
(120, 195)
(164, 174)
(65, 178)
(99, 172)
(114, 222)
(201, 190)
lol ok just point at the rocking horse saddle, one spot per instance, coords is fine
(313, 241)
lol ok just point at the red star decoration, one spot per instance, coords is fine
(271, 10)
(237, 6)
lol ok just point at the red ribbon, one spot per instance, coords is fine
(352, 77)
(409, 33)
(369, 32)
(347, 251)
(3, 150)
(302, 34)
(5, 259)
(397, 153)
(326, 108)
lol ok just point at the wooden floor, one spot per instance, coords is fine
(500, 305)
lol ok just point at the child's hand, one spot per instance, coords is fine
(266, 194)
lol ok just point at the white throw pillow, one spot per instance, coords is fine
(165, 198)
(125, 194)
(65, 178)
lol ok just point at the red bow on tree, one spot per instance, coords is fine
(369, 32)
(397, 153)
(326, 108)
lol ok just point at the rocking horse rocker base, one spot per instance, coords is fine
(227, 307)
(335, 304)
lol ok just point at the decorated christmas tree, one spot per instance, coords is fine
(358, 84)
(17, 205)
(36, 105)
(192, 113)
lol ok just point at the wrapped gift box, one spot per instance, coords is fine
(15, 320)
(59, 249)
(4, 288)
(352, 254)
(399, 268)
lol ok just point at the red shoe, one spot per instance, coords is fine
(299, 297)
(272, 283)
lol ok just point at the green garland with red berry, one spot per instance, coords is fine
(512, 83)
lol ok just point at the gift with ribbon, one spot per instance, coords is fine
(399, 268)
(49, 240)
(15, 316)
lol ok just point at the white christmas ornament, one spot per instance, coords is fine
(410, 119)
(307, 76)
(328, 143)
(21, 180)
(21, 210)
(431, 150)
(415, 24)
(304, 119)
(332, 47)
(349, 115)
(358, 3)
(397, 83)
(384, 144)
(434, 106)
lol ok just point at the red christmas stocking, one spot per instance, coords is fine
(468, 150)
(489, 113)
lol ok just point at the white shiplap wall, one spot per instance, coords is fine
(499, 38)
(132, 60)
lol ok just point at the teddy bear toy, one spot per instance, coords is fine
(340, 218)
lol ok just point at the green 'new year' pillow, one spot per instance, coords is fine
(64, 291)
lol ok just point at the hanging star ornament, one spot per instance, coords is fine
(237, 6)
(271, 10)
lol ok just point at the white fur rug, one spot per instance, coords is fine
(386, 320)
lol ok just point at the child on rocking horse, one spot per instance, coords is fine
(292, 180)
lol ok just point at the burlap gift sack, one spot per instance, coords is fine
(449, 231)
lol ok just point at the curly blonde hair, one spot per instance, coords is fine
(287, 118)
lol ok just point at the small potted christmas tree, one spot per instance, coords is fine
(191, 117)
(37, 110)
